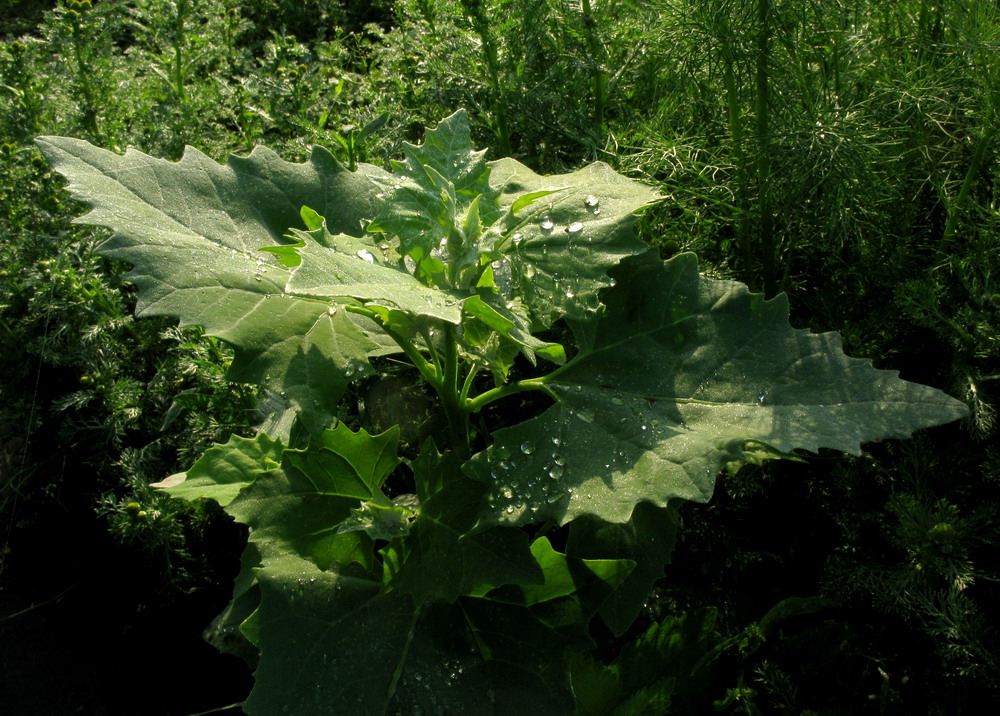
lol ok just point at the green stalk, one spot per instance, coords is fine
(744, 235)
(598, 76)
(970, 176)
(441, 375)
(480, 24)
(476, 404)
(455, 410)
(428, 371)
(765, 228)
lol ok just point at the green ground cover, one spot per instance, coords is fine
(843, 153)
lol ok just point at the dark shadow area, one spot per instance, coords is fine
(86, 628)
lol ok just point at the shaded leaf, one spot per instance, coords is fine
(679, 378)
(299, 508)
(331, 642)
(647, 539)
(571, 591)
(438, 559)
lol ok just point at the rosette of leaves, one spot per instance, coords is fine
(362, 597)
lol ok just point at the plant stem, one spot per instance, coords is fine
(481, 25)
(441, 375)
(483, 399)
(455, 409)
(598, 75)
(467, 385)
(765, 229)
(428, 371)
(970, 175)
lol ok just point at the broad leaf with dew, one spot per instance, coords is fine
(193, 231)
(680, 377)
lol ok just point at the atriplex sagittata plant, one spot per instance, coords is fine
(580, 381)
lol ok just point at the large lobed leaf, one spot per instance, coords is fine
(193, 229)
(680, 377)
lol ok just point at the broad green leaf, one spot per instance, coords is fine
(285, 516)
(295, 500)
(676, 380)
(647, 539)
(438, 559)
(336, 266)
(193, 229)
(299, 508)
(528, 661)
(343, 463)
(316, 628)
(332, 642)
(223, 470)
(571, 591)
(561, 247)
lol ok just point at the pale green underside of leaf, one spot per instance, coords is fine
(416, 212)
(674, 382)
(192, 229)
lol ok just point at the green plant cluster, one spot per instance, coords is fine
(844, 153)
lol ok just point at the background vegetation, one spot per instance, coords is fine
(844, 152)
